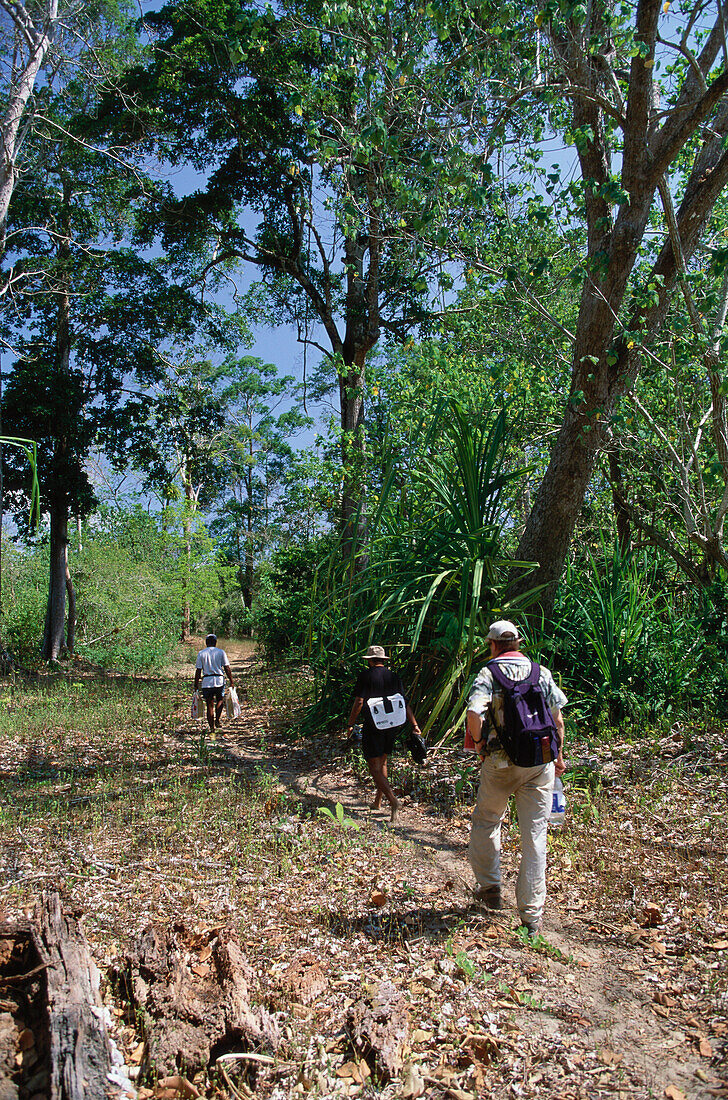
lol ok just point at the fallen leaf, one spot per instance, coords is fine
(201, 971)
(609, 1057)
(651, 917)
(177, 1085)
(26, 1039)
(719, 945)
(664, 999)
(705, 1048)
(420, 1036)
(674, 1093)
(413, 1085)
(205, 953)
(349, 1071)
(378, 898)
(137, 1054)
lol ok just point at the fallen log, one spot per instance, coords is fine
(24, 1060)
(194, 993)
(84, 1062)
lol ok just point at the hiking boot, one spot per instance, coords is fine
(533, 928)
(489, 896)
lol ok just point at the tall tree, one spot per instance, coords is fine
(643, 102)
(178, 452)
(254, 459)
(85, 325)
(322, 132)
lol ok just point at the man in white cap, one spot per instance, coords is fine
(500, 778)
(379, 691)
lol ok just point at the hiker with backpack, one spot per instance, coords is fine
(515, 722)
(380, 698)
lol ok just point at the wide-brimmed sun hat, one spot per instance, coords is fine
(375, 652)
(503, 631)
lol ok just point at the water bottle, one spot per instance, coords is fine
(558, 804)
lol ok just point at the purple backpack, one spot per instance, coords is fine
(528, 734)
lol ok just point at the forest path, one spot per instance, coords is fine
(615, 998)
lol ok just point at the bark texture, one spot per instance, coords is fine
(54, 634)
(81, 1058)
(192, 1007)
(32, 44)
(605, 358)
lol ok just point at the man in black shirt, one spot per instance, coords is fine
(380, 694)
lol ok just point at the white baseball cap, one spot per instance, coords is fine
(503, 631)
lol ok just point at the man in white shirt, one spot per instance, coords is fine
(500, 778)
(210, 669)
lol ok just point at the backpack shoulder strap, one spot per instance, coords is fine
(505, 682)
(499, 676)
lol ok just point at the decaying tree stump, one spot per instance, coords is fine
(379, 1027)
(195, 995)
(82, 1065)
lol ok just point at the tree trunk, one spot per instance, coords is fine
(35, 46)
(353, 457)
(54, 633)
(249, 564)
(187, 542)
(556, 507)
(71, 623)
(191, 499)
(362, 334)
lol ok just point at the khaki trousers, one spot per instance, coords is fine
(533, 789)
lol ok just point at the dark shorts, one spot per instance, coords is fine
(377, 742)
(212, 693)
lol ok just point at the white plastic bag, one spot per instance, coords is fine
(232, 706)
(558, 804)
(196, 705)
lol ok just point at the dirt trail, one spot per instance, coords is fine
(608, 999)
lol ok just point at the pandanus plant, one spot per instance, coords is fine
(434, 574)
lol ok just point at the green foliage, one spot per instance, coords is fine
(339, 817)
(627, 646)
(128, 591)
(282, 612)
(433, 576)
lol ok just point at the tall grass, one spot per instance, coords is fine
(623, 644)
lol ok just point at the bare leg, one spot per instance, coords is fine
(218, 712)
(378, 767)
(211, 714)
(377, 803)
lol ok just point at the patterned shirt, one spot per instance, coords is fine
(484, 692)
